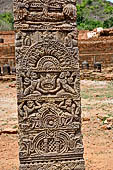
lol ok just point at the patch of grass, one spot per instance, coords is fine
(87, 107)
(99, 93)
(110, 115)
(15, 126)
(86, 95)
(4, 124)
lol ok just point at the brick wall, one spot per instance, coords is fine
(83, 34)
(7, 48)
(97, 49)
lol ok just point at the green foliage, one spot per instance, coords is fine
(108, 9)
(92, 14)
(108, 23)
(6, 21)
(90, 24)
(89, 2)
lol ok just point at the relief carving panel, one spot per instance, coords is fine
(45, 14)
(48, 85)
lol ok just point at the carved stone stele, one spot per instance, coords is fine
(48, 85)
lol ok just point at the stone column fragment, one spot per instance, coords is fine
(48, 85)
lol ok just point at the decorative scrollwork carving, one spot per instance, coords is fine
(48, 85)
(44, 12)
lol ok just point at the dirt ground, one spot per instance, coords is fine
(97, 125)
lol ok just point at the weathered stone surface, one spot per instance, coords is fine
(48, 85)
(67, 165)
(45, 14)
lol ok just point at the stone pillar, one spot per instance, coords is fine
(48, 85)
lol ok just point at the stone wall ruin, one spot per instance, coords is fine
(7, 48)
(48, 85)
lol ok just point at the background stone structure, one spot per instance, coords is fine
(7, 48)
(48, 85)
(97, 50)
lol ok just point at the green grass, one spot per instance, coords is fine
(85, 95)
(98, 92)
(15, 126)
